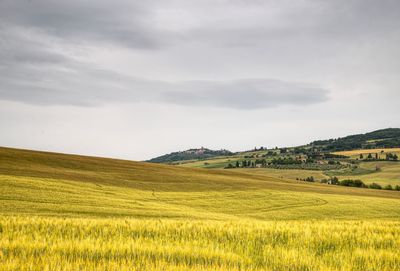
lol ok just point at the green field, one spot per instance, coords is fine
(388, 171)
(67, 212)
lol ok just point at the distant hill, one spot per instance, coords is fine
(385, 138)
(191, 154)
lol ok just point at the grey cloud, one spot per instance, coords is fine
(125, 22)
(244, 94)
(297, 24)
(138, 25)
(35, 68)
(96, 87)
(22, 47)
(37, 72)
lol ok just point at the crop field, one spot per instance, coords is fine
(129, 244)
(68, 212)
(381, 152)
(211, 163)
(381, 172)
(387, 173)
(288, 174)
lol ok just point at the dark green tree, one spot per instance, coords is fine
(375, 186)
(391, 156)
(333, 180)
(352, 183)
(388, 187)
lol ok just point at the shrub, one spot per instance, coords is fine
(333, 180)
(388, 187)
(324, 181)
(397, 188)
(352, 183)
(375, 186)
(286, 161)
(310, 179)
(391, 156)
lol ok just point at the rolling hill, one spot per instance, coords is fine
(385, 138)
(370, 164)
(59, 184)
(71, 212)
(191, 154)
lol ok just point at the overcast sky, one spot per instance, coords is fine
(137, 79)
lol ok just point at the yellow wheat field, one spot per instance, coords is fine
(366, 151)
(126, 244)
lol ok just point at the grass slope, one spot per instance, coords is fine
(388, 173)
(59, 184)
(69, 212)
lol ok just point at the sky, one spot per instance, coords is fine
(138, 79)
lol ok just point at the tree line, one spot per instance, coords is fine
(351, 183)
(376, 157)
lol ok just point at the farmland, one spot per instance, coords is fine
(128, 244)
(368, 170)
(74, 212)
(387, 173)
(372, 158)
(381, 152)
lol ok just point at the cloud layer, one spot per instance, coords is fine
(37, 70)
(105, 88)
(41, 59)
(46, 45)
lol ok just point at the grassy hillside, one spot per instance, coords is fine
(347, 165)
(380, 139)
(51, 184)
(69, 212)
(387, 173)
(376, 163)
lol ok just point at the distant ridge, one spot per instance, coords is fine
(384, 138)
(191, 154)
